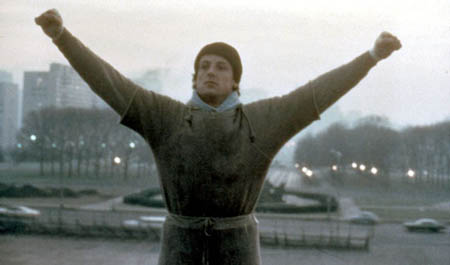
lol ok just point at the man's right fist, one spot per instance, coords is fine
(51, 23)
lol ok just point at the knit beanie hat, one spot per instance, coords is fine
(227, 52)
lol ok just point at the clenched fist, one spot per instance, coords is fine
(51, 23)
(385, 44)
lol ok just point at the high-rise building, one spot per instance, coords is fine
(5, 77)
(59, 87)
(153, 79)
(9, 112)
(35, 91)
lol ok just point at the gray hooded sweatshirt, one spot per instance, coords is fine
(211, 164)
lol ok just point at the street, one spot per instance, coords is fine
(391, 245)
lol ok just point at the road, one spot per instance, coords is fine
(393, 235)
(391, 246)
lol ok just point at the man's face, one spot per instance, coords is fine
(214, 79)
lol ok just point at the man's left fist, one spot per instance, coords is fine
(385, 44)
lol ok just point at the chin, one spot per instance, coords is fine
(209, 92)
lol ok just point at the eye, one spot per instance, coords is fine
(222, 66)
(204, 66)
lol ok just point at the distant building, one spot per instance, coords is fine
(59, 87)
(249, 95)
(153, 79)
(5, 77)
(9, 112)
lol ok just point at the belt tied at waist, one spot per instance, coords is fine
(211, 223)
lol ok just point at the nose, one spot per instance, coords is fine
(210, 71)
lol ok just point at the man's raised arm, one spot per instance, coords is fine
(328, 88)
(103, 79)
(285, 116)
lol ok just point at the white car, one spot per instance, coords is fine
(424, 224)
(18, 211)
(145, 222)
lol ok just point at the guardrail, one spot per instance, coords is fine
(284, 232)
(315, 241)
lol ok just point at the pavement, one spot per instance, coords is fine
(105, 205)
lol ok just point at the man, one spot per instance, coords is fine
(213, 152)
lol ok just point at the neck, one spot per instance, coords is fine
(231, 101)
(214, 101)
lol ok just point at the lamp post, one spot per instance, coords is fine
(362, 167)
(132, 145)
(374, 170)
(411, 175)
(40, 145)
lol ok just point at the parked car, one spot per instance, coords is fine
(145, 222)
(364, 218)
(16, 218)
(424, 224)
(18, 211)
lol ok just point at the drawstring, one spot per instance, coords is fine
(251, 132)
(189, 116)
(208, 227)
(209, 224)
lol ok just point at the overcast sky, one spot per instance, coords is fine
(283, 44)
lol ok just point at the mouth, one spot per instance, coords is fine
(210, 83)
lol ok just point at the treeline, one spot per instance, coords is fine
(81, 142)
(420, 153)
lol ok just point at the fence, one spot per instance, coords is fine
(275, 230)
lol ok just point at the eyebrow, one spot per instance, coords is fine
(208, 61)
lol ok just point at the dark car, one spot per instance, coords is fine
(364, 218)
(424, 224)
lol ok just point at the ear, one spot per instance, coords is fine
(236, 88)
(194, 76)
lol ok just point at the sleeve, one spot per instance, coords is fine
(283, 117)
(153, 116)
(148, 113)
(115, 89)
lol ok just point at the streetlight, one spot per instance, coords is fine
(374, 170)
(354, 165)
(132, 145)
(117, 160)
(411, 173)
(362, 167)
(33, 137)
(297, 165)
(334, 167)
(309, 173)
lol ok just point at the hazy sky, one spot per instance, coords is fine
(283, 44)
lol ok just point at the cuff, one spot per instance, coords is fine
(374, 55)
(60, 38)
